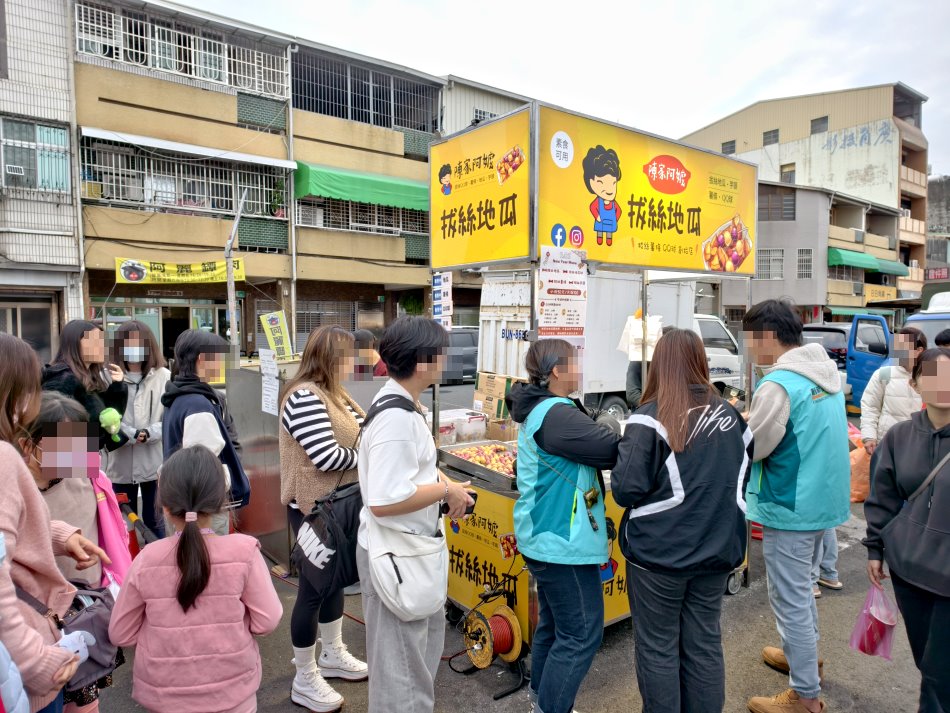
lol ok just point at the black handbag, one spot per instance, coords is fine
(325, 552)
(917, 541)
(90, 611)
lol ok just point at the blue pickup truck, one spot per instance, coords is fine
(859, 347)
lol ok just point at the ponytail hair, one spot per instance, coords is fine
(192, 481)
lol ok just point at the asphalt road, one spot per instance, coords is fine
(853, 681)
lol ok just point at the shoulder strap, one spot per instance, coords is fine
(930, 478)
(33, 602)
(385, 403)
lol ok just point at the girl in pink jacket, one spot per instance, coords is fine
(192, 604)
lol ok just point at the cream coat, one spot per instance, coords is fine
(888, 399)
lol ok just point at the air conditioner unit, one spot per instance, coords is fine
(858, 288)
(858, 236)
(310, 215)
(15, 170)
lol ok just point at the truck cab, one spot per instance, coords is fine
(869, 345)
(934, 319)
(722, 351)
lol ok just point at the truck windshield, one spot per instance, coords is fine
(715, 336)
(930, 327)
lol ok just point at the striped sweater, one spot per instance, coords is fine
(306, 419)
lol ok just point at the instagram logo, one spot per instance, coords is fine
(576, 237)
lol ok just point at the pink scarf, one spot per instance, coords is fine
(113, 534)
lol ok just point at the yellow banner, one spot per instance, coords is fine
(479, 190)
(277, 333)
(144, 272)
(633, 199)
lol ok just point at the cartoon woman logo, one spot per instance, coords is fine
(601, 175)
(445, 178)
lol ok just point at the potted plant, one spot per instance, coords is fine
(277, 199)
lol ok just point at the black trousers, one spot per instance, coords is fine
(927, 619)
(310, 607)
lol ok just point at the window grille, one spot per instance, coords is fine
(144, 40)
(770, 137)
(35, 157)
(332, 214)
(776, 203)
(482, 115)
(729, 147)
(770, 264)
(121, 173)
(805, 263)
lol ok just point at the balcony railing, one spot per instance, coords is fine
(117, 173)
(912, 225)
(333, 214)
(143, 41)
(917, 177)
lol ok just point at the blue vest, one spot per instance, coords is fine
(805, 484)
(551, 521)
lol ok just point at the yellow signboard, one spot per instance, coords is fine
(479, 194)
(277, 333)
(145, 272)
(633, 199)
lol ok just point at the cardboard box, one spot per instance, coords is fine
(497, 385)
(502, 429)
(489, 405)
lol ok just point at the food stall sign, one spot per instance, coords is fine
(630, 198)
(480, 194)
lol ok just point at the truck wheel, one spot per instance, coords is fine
(453, 613)
(616, 407)
(734, 583)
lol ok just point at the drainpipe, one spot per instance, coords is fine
(292, 202)
(74, 171)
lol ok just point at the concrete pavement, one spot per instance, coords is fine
(853, 681)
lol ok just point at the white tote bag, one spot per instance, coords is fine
(410, 572)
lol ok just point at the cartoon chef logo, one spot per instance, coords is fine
(133, 271)
(601, 176)
(445, 178)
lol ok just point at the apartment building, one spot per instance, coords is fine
(865, 142)
(181, 113)
(797, 227)
(40, 257)
(938, 222)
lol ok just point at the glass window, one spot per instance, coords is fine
(819, 125)
(770, 264)
(787, 173)
(715, 336)
(770, 137)
(871, 338)
(805, 261)
(729, 147)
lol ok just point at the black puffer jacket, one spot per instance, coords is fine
(903, 460)
(60, 378)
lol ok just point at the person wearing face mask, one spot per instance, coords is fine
(560, 520)
(133, 468)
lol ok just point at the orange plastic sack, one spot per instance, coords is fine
(860, 475)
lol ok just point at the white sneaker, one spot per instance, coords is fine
(312, 692)
(337, 662)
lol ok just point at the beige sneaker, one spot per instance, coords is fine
(785, 702)
(774, 657)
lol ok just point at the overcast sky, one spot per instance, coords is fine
(665, 67)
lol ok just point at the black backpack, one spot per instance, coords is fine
(325, 552)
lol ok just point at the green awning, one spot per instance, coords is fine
(892, 267)
(852, 311)
(342, 184)
(837, 256)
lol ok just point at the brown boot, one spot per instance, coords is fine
(774, 657)
(786, 702)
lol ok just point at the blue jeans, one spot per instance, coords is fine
(570, 628)
(826, 563)
(56, 706)
(680, 666)
(789, 557)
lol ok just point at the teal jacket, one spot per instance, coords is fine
(804, 483)
(551, 519)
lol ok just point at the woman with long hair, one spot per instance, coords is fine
(684, 461)
(906, 456)
(79, 371)
(31, 541)
(320, 425)
(134, 466)
(560, 520)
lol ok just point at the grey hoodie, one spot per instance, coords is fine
(771, 408)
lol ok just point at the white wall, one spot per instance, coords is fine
(861, 161)
(460, 102)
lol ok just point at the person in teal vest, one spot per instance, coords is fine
(560, 522)
(800, 487)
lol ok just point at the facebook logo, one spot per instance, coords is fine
(558, 235)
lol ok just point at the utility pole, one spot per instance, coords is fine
(232, 295)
